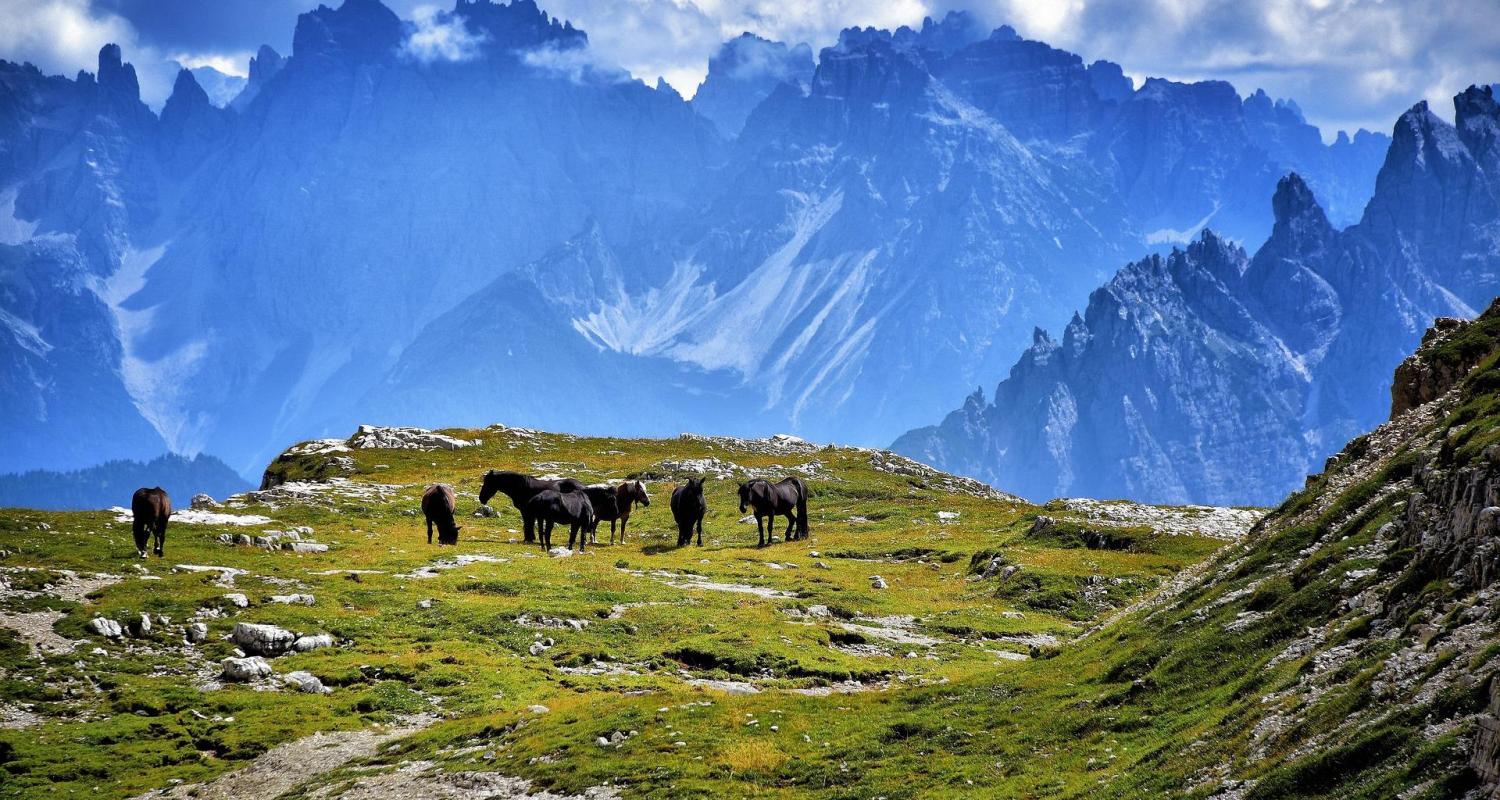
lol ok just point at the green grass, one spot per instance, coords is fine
(132, 717)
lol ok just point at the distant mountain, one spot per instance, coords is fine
(113, 482)
(1210, 376)
(834, 246)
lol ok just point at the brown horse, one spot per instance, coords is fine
(151, 508)
(614, 503)
(438, 503)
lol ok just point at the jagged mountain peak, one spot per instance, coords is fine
(186, 94)
(517, 25)
(115, 75)
(1293, 206)
(358, 30)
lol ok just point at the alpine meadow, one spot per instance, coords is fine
(586, 400)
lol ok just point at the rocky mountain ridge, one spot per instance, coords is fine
(890, 219)
(1212, 376)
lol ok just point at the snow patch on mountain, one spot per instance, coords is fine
(157, 386)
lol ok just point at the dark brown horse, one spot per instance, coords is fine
(688, 509)
(438, 504)
(614, 503)
(549, 507)
(151, 508)
(770, 500)
(520, 489)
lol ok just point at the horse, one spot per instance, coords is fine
(521, 488)
(550, 506)
(787, 498)
(602, 498)
(151, 508)
(688, 508)
(615, 503)
(438, 503)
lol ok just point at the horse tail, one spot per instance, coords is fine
(801, 509)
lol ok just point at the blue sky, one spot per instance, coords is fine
(1348, 63)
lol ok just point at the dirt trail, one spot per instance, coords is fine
(281, 769)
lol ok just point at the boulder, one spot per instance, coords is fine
(237, 600)
(196, 632)
(141, 627)
(877, 582)
(294, 599)
(304, 681)
(202, 502)
(263, 640)
(308, 642)
(244, 670)
(486, 511)
(107, 628)
(305, 547)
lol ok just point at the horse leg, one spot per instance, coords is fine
(787, 537)
(142, 538)
(700, 530)
(161, 539)
(527, 522)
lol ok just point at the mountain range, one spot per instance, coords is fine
(1211, 376)
(837, 246)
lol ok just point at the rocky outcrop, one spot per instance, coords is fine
(1434, 369)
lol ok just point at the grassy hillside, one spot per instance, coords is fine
(781, 671)
(1346, 647)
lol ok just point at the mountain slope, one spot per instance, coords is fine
(1208, 376)
(848, 243)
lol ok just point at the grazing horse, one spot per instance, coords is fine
(521, 488)
(615, 503)
(438, 503)
(688, 508)
(151, 508)
(769, 500)
(550, 506)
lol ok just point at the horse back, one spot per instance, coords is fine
(151, 504)
(439, 500)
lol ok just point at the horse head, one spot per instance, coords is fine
(745, 496)
(638, 493)
(488, 487)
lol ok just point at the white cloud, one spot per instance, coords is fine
(236, 64)
(60, 35)
(440, 36)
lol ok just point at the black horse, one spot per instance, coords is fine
(521, 488)
(688, 508)
(614, 503)
(151, 509)
(769, 500)
(550, 506)
(438, 504)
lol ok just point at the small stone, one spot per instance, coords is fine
(196, 632)
(538, 709)
(237, 600)
(485, 512)
(424, 604)
(877, 582)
